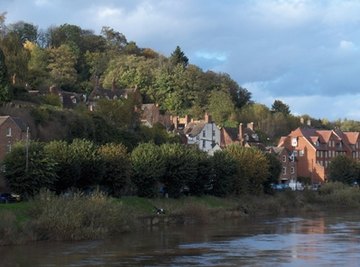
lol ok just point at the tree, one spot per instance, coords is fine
(275, 168)
(148, 167)
(220, 106)
(180, 168)
(344, 169)
(62, 65)
(4, 84)
(79, 165)
(279, 106)
(24, 31)
(224, 174)
(178, 57)
(26, 173)
(117, 166)
(252, 169)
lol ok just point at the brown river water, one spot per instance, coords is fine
(320, 239)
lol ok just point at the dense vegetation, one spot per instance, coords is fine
(108, 147)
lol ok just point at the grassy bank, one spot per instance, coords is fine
(96, 216)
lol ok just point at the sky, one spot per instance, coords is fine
(305, 53)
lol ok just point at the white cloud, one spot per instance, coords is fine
(211, 55)
(347, 45)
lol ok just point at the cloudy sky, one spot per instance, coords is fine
(305, 53)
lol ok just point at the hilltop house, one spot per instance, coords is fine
(313, 150)
(204, 134)
(245, 136)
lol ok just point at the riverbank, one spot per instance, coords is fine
(96, 216)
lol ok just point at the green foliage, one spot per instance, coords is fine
(275, 168)
(117, 166)
(148, 168)
(225, 174)
(279, 106)
(252, 169)
(200, 183)
(221, 106)
(78, 164)
(180, 167)
(62, 65)
(178, 57)
(28, 169)
(343, 169)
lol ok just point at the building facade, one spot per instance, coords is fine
(313, 150)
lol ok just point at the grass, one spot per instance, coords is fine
(79, 217)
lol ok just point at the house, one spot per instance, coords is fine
(289, 166)
(313, 150)
(151, 115)
(68, 100)
(245, 136)
(112, 94)
(204, 134)
(12, 130)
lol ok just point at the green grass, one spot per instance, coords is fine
(20, 209)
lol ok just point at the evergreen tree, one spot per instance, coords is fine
(178, 57)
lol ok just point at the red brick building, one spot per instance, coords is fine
(12, 130)
(313, 150)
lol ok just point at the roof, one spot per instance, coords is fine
(18, 121)
(232, 132)
(194, 128)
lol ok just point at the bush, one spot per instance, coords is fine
(77, 216)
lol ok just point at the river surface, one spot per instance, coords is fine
(312, 240)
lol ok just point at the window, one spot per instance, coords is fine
(284, 158)
(203, 133)
(301, 153)
(292, 170)
(204, 144)
(8, 148)
(284, 171)
(8, 131)
(213, 133)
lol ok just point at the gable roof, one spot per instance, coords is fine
(193, 129)
(18, 121)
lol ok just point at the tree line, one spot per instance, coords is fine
(148, 171)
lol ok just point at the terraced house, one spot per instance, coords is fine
(310, 151)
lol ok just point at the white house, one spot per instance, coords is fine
(205, 134)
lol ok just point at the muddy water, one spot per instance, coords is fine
(311, 240)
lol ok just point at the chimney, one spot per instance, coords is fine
(187, 119)
(250, 125)
(241, 132)
(207, 118)
(175, 121)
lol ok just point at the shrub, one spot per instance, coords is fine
(77, 216)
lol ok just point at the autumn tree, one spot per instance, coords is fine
(62, 65)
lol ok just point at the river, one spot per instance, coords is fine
(311, 240)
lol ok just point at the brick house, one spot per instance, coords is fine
(151, 115)
(245, 136)
(12, 130)
(289, 166)
(314, 149)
